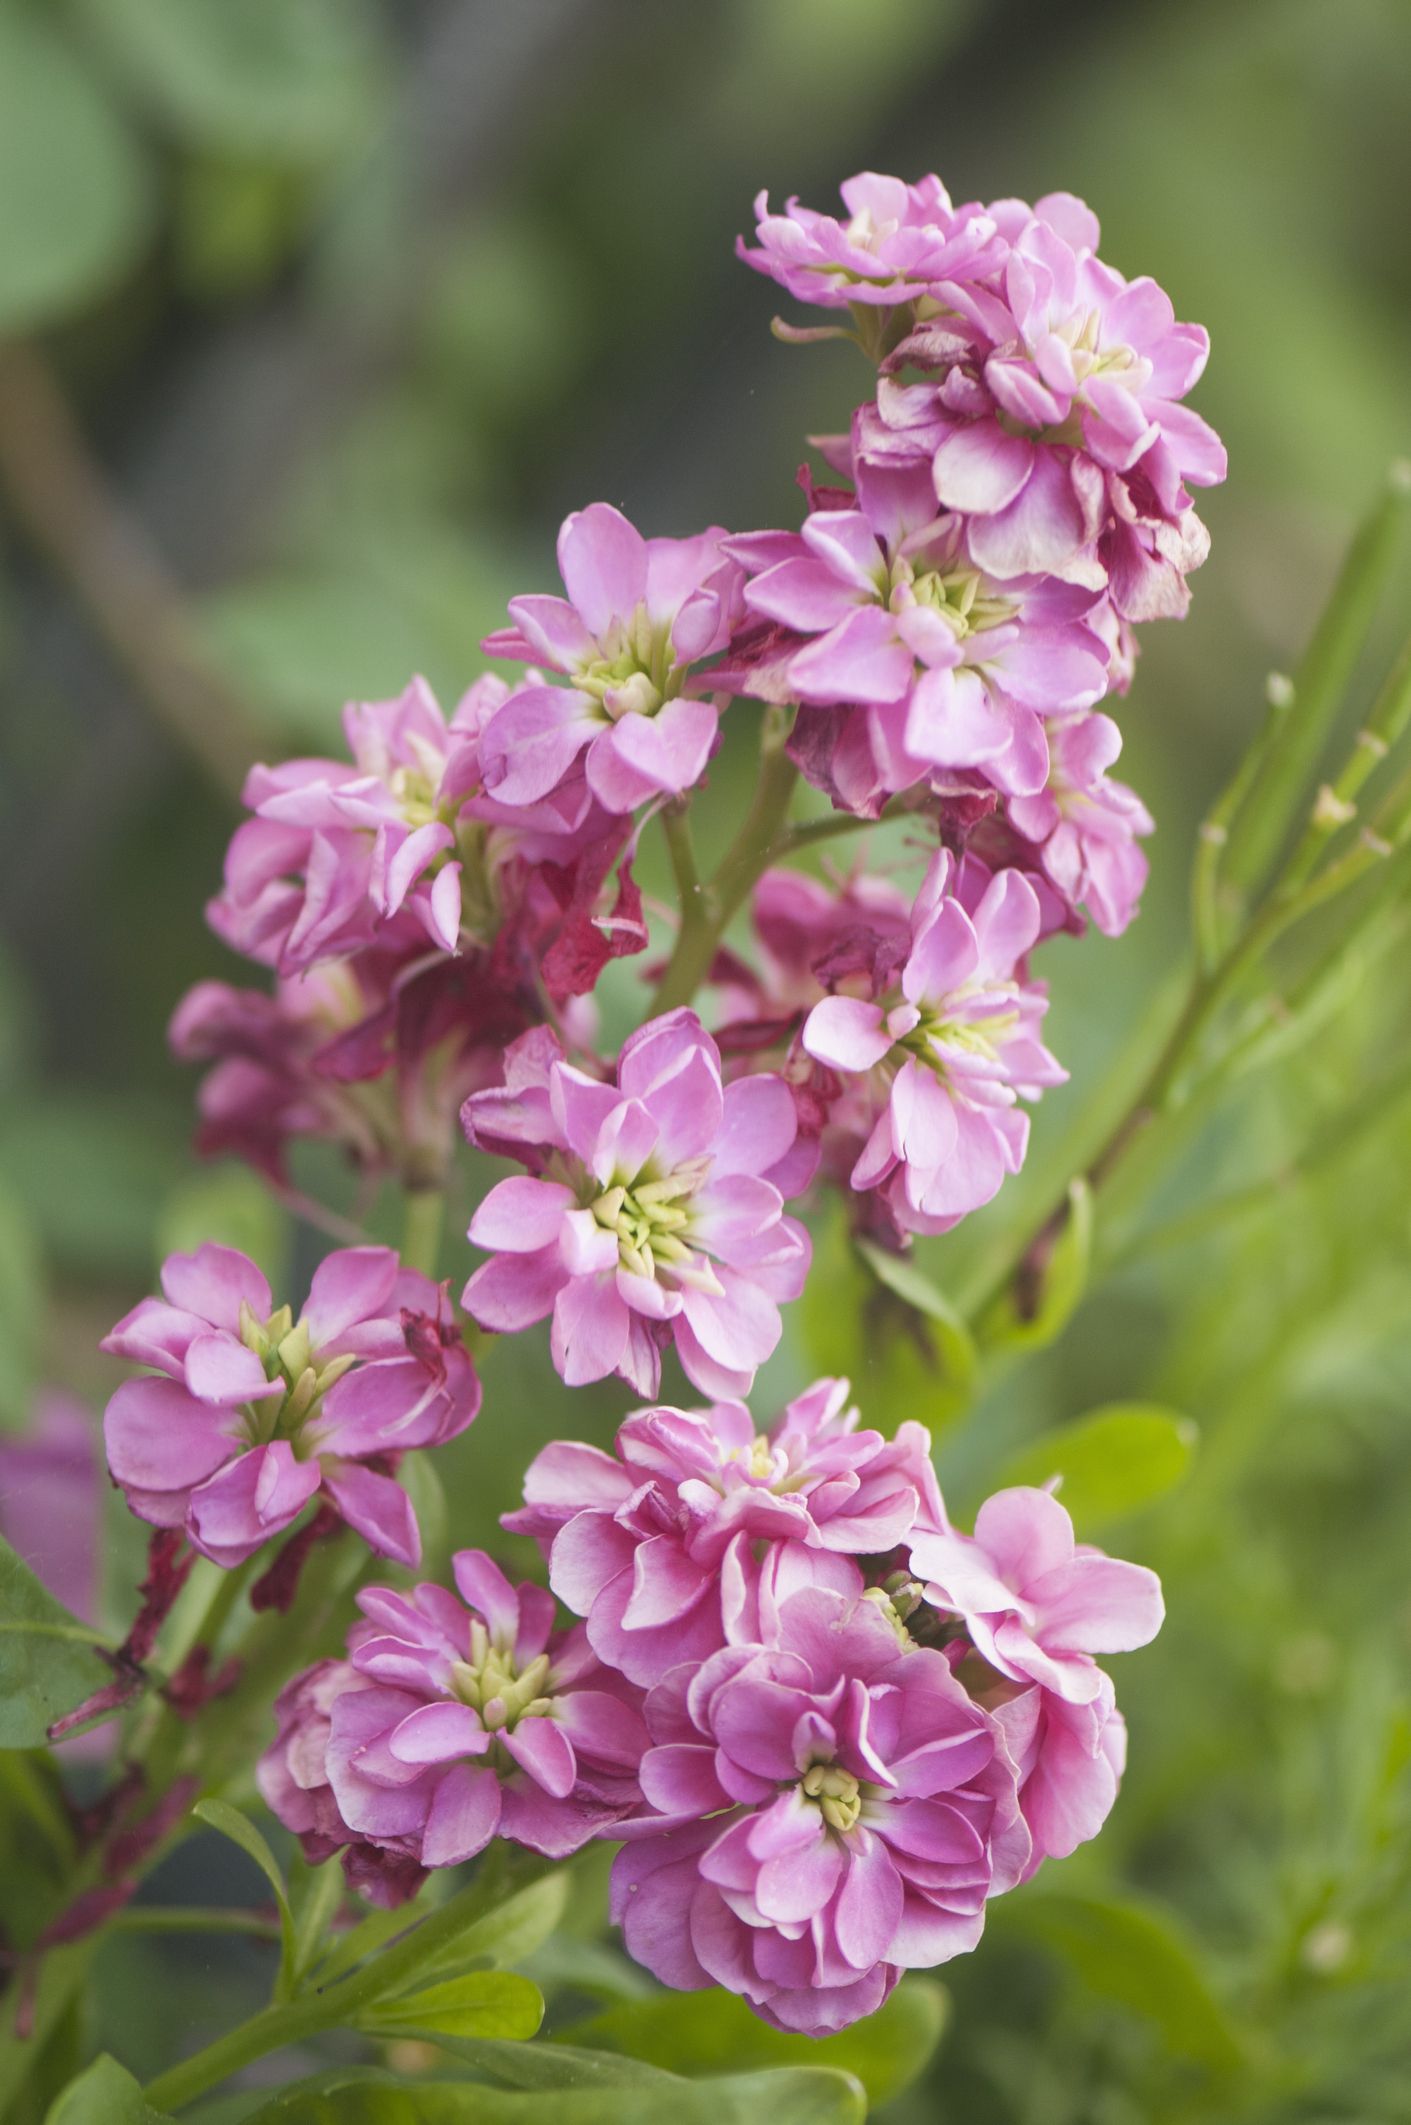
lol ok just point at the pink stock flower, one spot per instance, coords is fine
(833, 1810)
(1083, 827)
(659, 1548)
(1070, 1759)
(452, 1722)
(953, 1049)
(898, 242)
(1035, 1604)
(1048, 408)
(943, 664)
(255, 1413)
(400, 848)
(640, 614)
(652, 1214)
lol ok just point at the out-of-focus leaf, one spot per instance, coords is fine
(692, 2032)
(235, 224)
(285, 79)
(1051, 1292)
(497, 2004)
(1118, 1458)
(74, 202)
(47, 1662)
(1136, 1954)
(564, 1962)
(96, 1171)
(955, 1346)
(421, 1480)
(104, 2094)
(904, 1359)
(241, 1831)
(315, 1894)
(21, 1311)
(230, 1205)
(364, 2096)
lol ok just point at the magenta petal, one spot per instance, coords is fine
(349, 1287)
(590, 1330)
(531, 743)
(159, 1438)
(435, 1733)
(212, 1282)
(463, 1816)
(542, 1749)
(869, 1907)
(255, 1497)
(846, 1033)
(521, 1215)
(218, 1369)
(861, 659)
(603, 562)
(377, 1508)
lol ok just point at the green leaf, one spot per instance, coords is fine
(1135, 1954)
(365, 2096)
(692, 2032)
(47, 1660)
(315, 1894)
(231, 1206)
(286, 79)
(1113, 1461)
(104, 2094)
(1054, 1291)
(512, 1931)
(96, 1169)
(232, 1824)
(21, 1311)
(954, 1343)
(74, 202)
(482, 2003)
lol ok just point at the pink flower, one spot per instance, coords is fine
(953, 1049)
(255, 1412)
(946, 665)
(640, 615)
(652, 1214)
(659, 1548)
(51, 1506)
(833, 1810)
(1070, 1759)
(898, 242)
(1083, 826)
(455, 1721)
(1035, 1604)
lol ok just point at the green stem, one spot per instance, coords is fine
(192, 1918)
(1207, 915)
(421, 1233)
(758, 843)
(381, 1978)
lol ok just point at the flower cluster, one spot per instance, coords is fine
(250, 1413)
(825, 1725)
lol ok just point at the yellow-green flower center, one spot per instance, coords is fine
(651, 1221)
(492, 1685)
(284, 1348)
(837, 1794)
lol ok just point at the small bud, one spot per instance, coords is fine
(1278, 690)
(1330, 810)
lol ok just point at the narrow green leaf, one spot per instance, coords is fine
(365, 2096)
(692, 2032)
(219, 1815)
(1319, 684)
(47, 1660)
(954, 1343)
(1136, 1954)
(315, 1894)
(513, 1930)
(1055, 1289)
(104, 2094)
(1113, 1461)
(482, 2003)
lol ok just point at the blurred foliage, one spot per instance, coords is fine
(354, 302)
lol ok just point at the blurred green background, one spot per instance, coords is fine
(318, 315)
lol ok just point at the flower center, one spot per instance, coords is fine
(635, 674)
(650, 1220)
(284, 1349)
(954, 593)
(491, 1684)
(837, 1794)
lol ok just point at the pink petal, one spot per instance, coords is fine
(159, 1438)
(603, 562)
(463, 1816)
(530, 744)
(859, 660)
(980, 468)
(590, 1330)
(436, 1732)
(212, 1282)
(349, 1287)
(521, 1215)
(218, 1369)
(541, 1748)
(846, 1033)
(376, 1507)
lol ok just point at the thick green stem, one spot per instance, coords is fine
(421, 1232)
(381, 1978)
(706, 915)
